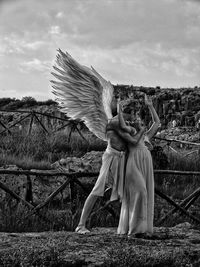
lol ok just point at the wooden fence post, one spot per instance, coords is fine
(73, 177)
(49, 198)
(186, 203)
(4, 126)
(31, 123)
(169, 200)
(16, 122)
(29, 193)
(43, 127)
(18, 198)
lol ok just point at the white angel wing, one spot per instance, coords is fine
(83, 93)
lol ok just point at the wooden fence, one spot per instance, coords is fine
(75, 178)
(35, 116)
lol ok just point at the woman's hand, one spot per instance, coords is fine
(148, 100)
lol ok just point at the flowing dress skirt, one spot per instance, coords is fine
(137, 208)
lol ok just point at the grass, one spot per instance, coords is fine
(66, 249)
(14, 216)
(138, 256)
(182, 162)
(124, 257)
(39, 151)
(16, 220)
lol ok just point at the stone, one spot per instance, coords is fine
(90, 162)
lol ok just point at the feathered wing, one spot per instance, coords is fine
(83, 93)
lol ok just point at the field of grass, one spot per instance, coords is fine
(39, 151)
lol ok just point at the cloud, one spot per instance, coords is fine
(141, 42)
(7, 92)
(13, 43)
(55, 30)
(120, 23)
(59, 15)
(138, 64)
(108, 24)
(35, 45)
(35, 65)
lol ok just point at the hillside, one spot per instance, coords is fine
(181, 105)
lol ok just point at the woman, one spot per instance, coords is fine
(137, 208)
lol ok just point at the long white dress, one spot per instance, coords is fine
(137, 210)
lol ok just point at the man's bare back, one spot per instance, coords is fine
(114, 139)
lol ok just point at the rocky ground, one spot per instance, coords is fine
(180, 133)
(176, 246)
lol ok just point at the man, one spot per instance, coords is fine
(112, 169)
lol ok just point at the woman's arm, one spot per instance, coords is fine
(122, 123)
(156, 121)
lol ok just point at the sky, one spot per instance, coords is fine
(139, 42)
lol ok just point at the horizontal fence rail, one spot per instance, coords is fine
(33, 113)
(88, 174)
(177, 141)
(33, 116)
(73, 178)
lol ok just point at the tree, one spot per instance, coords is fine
(29, 101)
(5, 101)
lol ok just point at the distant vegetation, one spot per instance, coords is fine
(25, 102)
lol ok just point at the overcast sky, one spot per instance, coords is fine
(139, 42)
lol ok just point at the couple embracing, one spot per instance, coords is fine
(127, 168)
(83, 94)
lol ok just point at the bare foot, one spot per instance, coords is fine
(81, 230)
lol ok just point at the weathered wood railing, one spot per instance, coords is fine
(72, 178)
(33, 115)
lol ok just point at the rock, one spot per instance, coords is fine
(90, 162)
(183, 225)
(10, 167)
(43, 186)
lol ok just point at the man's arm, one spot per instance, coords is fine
(122, 123)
